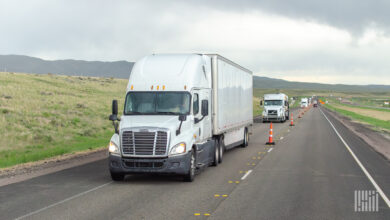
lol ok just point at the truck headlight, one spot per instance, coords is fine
(179, 148)
(112, 148)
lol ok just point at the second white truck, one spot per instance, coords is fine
(181, 112)
(276, 107)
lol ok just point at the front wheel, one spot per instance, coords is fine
(190, 176)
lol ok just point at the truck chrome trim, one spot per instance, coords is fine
(145, 142)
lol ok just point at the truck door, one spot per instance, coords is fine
(202, 125)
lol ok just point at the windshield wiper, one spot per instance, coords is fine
(134, 113)
(167, 113)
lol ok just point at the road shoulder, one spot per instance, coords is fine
(380, 142)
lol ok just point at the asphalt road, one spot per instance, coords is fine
(308, 174)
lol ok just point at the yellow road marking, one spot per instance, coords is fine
(224, 195)
(196, 213)
(237, 181)
(230, 181)
(207, 214)
(253, 164)
(241, 171)
(216, 195)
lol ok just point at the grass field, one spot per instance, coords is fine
(46, 115)
(378, 118)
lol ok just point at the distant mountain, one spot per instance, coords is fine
(26, 64)
(271, 83)
(121, 69)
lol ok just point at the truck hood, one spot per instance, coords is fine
(159, 121)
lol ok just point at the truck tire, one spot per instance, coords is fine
(221, 147)
(190, 176)
(216, 154)
(117, 176)
(246, 138)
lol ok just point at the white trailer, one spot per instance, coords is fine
(181, 112)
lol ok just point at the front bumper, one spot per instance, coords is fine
(272, 118)
(168, 165)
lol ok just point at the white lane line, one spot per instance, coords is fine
(281, 138)
(62, 201)
(269, 150)
(383, 195)
(246, 175)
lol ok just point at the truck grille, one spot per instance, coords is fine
(144, 143)
(272, 112)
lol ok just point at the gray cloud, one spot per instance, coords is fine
(353, 15)
(128, 30)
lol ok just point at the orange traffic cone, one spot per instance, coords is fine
(270, 140)
(292, 120)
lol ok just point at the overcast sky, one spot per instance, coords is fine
(333, 41)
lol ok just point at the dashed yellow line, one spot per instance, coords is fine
(196, 214)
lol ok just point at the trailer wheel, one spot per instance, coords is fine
(216, 154)
(117, 176)
(190, 176)
(221, 147)
(246, 138)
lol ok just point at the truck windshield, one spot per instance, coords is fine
(273, 102)
(157, 103)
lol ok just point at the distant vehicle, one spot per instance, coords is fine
(180, 114)
(315, 104)
(276, 107)
(304, 102)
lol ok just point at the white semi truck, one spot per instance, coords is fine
(181, 113)
(304, 102)
(276, 107)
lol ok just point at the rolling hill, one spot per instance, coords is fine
(121, 69)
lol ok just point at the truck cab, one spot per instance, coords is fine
(276, 107)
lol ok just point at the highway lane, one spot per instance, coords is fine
(166, 196)
(308, 174)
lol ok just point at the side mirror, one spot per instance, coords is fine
(114, 115)
(114, 107)
(182, 117)
(205, 108)
(261, 102)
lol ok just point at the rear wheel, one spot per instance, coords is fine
(246, 138)
(216, 154)
(190, 176)
(117, 176)
(221, 147)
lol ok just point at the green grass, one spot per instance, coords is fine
(39, 152)
(381, 124)
(43, 116)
